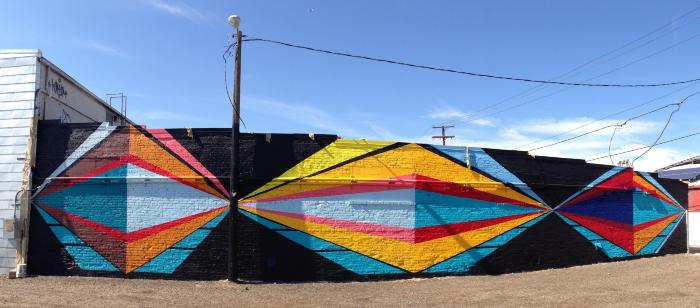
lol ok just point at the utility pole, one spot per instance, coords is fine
(443, 136)
(235, 21)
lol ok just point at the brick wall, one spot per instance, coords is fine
(129, 202)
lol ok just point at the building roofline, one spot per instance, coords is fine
(34, 52)
(79, 85)
(686, 161)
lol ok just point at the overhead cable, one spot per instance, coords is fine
(227, 54)
(670, 116)
(474, 74)
(535, 89)
(614, 125)
(644, 147)
(606, 116)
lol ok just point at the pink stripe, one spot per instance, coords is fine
(397, 233)
(164, 137)
(410, 235)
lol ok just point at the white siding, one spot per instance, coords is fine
(17, 86)
(694, 230)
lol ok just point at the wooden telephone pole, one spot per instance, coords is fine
(443, 136)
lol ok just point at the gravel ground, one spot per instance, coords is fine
(663, 281)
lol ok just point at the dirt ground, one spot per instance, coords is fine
(663, 281)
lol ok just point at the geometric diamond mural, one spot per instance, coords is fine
(124, 202)
(623, 212)
(384, 208)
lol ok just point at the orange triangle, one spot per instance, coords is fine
(149, 151)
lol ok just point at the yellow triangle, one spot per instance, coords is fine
(337, 152)
(405, 160)
(646, 235)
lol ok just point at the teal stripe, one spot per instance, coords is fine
(485, 163)
(658, 185)
(652, 246)
(360, 264)
(47, 218)
(608, 174)
(165, 263)
(462, 262)
(590, 235)
(433, 209)
(65, 236)
(308, 241)
(267, 223)
(193, 240)
(88, 259)
(503, 238)
(611, 250)
(648, 208)
(215, 222)
(534, 221)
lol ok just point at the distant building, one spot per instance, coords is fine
(688, 170)
(32, 89)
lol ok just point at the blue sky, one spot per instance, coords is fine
(166, 56)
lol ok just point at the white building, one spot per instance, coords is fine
(32, 89)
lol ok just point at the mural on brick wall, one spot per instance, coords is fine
(624, 213)
(130, 202)
(383, 209)
(126, 202)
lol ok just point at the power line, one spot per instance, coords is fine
(678, 107)
(663, 130)
(589, 79)
(644, 147)
(228, 53)
(607, 116)
(473, 74)
(587, 63)
(613, 125)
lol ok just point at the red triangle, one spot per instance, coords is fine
(620, 181)
(429, 233)
(618, 233)
(458, 190)
(106, 241)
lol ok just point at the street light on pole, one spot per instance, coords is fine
(235, 22)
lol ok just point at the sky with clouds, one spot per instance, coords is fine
(166, 55)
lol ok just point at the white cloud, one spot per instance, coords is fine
(303, 114)
(178, 9)
(515, 135)
(449, 113)
(104, 49)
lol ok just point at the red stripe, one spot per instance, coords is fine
(620, 234)
(655, 193)
(164, 137)
(404, 182)
(135, 160)
(93, 173)
(68, 219)
(410, 235)
(459, 190)
(429, 233)
(112, 249)
(620, 181)
(397, 233)
(650, 223)
(139, 234)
